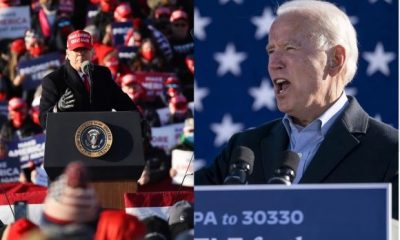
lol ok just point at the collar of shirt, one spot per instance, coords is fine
(81, 75)
(321, 123)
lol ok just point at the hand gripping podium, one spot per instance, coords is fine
(109, 143)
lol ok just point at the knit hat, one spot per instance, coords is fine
(180, 217)
(70, 199)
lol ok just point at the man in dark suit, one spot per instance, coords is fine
(69, 89)
(310, 63)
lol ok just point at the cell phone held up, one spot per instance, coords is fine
(20, 210)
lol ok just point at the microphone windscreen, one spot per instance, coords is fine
(245, 154)
(85, 66)
(290, 159)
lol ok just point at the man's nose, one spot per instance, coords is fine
(275, 62)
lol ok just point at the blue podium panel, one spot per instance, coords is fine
(299, 212)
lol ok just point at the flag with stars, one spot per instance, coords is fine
(233, 91)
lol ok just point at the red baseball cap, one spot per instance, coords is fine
(122, 12)
(79, 39)
(18, 46)
(178, 14)
(15, 104)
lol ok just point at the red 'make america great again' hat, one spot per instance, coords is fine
(79, 39)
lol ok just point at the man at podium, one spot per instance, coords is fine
(313, 55)
(80, 86)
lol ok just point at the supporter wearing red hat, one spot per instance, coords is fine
(19, 123)
(180, 24)
(18, 46)
(132, 86)
(73, 88)
(178, 108)
(34, 44)
(149, 58)
(108, 56)
(172, 86)
(123, 13)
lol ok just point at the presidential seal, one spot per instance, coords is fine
(93, 138)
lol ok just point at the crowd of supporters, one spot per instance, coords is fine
(133, 38)
(156, 39)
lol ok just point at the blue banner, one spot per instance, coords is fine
(300, 212)
(35, 69)
(28, 149)
(9, 169)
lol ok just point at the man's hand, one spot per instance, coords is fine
(66, 101)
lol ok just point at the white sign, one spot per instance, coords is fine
(181, 161)
(166, 137)
(14, 21)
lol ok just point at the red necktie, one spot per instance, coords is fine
(86, 82)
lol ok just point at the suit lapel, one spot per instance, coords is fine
(272, 148)
(73, 79)
(339, 141)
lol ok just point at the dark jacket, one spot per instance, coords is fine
(106, 94)
(357, 149)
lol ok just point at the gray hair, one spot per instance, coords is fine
(332, 27)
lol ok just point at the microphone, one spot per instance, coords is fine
(86, 68)
(242, 161)
(287, 172)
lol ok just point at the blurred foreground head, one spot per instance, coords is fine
(71, 199)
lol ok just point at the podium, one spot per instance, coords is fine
(297, 212)
(108, 143)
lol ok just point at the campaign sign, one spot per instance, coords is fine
(66, 6)
(298, 212)
(35, 69)
(119, 30)
(14, 21)
(9, 170)
(28, 149)
(181, 161)
(153, 82)
(127, 53)
(167, 136)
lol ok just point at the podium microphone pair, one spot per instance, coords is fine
(242, 162)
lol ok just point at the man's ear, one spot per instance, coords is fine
(336, 60)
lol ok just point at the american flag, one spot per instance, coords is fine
(233, 91)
